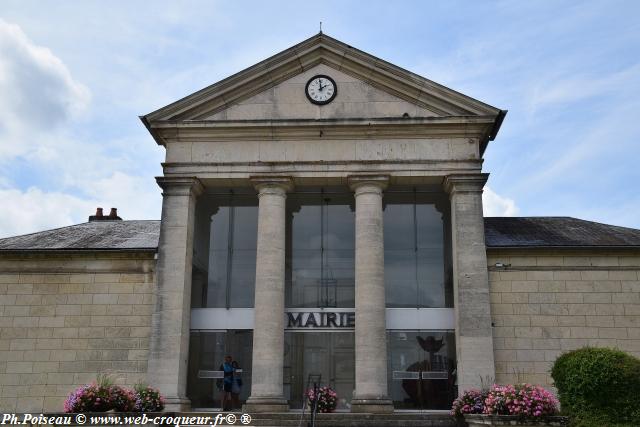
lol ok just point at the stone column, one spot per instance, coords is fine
(474, 336)
(169, 344)
(371, 394)
(268, 332)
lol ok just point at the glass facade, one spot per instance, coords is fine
(324, 356)
(421, 369)
(320, 274)
(207, 350)
(225, 251)
(320, 269)
(417, 267)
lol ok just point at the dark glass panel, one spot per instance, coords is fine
(320, 251)
(416, 251)
(399, 230)
(329, 355)
(401, 286)
(228, 224)
(206, 353)
(421, 369)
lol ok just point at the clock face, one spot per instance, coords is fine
(321, 89)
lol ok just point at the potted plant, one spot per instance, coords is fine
(327, 399)
(147, 399)
(508, 405)
(103, 395)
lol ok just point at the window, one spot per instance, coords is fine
(416, 250)
(320, 269)
(225, 251)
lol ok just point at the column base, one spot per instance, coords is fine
(177, 404)
(373, 406)
(265, 404)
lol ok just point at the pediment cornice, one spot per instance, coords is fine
(322, 49)
(478, 127)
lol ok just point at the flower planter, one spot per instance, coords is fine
(477, 420)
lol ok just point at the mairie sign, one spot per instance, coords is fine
(320, 319)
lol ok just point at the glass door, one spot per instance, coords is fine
(329, 355)
(421, 369)
(207, 350)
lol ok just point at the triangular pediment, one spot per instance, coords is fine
(368, 87)
(355, 98)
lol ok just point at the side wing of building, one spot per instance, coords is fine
(558, 284)
(74, 302)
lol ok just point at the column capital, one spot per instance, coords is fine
(473, 183)
(180, 185)
(368, 183)
(266, 184)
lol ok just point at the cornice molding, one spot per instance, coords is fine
(429, 127)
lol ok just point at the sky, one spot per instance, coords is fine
(75, 76)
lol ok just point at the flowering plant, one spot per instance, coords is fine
(471, 402)
(525, 400)
(147, 399)
(123, 399)
(102, 395)
(89, 398)
(327, 399)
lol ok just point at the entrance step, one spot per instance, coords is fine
(347, 419)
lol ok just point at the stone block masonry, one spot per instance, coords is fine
(66, 318)
(549, 302)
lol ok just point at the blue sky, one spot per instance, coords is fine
(75, 76)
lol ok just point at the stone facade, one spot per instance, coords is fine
(385, 122)
(64, 318)
(68, 313)
(548, 302)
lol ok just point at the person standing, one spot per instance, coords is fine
(227, 383)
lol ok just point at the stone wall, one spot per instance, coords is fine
(549, 302)
(66, 318)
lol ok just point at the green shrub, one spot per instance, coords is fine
(598, 387)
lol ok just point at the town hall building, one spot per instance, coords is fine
(322, 221)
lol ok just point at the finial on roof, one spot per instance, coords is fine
(320, 27)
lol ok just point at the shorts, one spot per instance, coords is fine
(227, 387)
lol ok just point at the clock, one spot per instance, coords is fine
(321, 89)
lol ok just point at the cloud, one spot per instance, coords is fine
(33, 209)
(496, 205)
(135, 197)
(572, 88)
(62, 175)
(38, 93)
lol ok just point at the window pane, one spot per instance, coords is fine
(415, 256)
(320, 254)
(243, 278)
(400, 278)
(398, 227)
(329, 355)
(421, 369)
(226, 237)
(206, 353)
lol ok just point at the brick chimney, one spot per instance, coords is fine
(99, 216)
(113, 215)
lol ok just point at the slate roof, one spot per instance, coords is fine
(94, 235)
(500, 232)
(556, 232)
